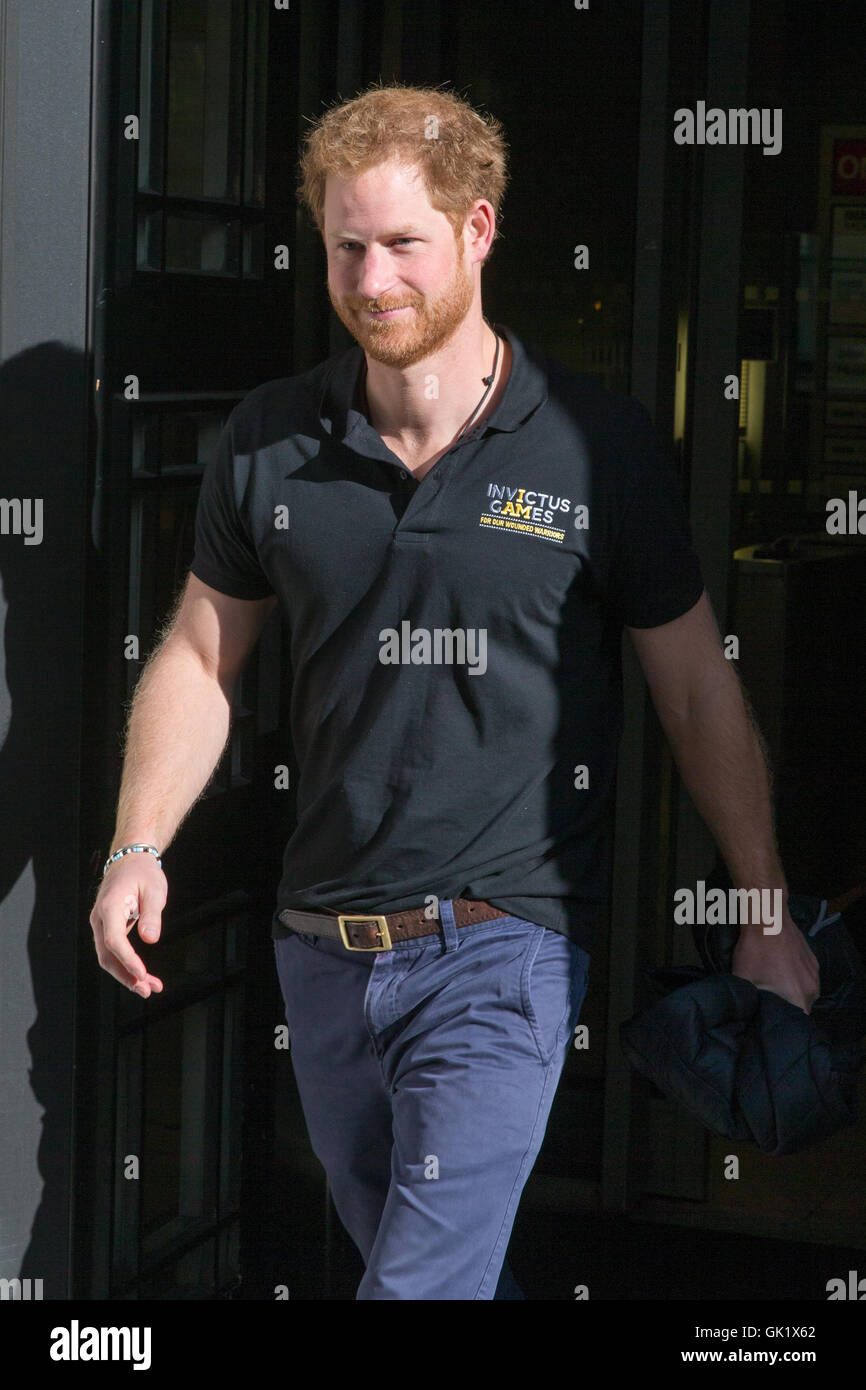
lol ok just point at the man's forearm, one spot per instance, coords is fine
(178, 727)
(721, 760)
(719, 752)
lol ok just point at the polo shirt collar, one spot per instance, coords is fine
(525, 391)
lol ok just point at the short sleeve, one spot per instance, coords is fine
(655, 575)
(224, 556)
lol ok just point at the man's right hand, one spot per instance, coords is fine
(135, 888)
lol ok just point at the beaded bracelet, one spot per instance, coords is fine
(130, 849)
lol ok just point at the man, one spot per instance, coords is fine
(456, 530)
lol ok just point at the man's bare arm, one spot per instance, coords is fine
(719, 753)
(177, 730)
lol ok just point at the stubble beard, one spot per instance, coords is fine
(403, 342)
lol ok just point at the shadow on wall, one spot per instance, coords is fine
(42, 560)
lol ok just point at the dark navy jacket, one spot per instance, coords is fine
(747, 1063)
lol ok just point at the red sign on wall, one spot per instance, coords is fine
(849, 166)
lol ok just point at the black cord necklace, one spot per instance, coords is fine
(488, 383)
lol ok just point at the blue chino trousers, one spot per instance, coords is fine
(426, 1074)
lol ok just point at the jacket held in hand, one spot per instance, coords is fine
(747, 1063)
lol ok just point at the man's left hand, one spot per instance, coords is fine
(783, 963)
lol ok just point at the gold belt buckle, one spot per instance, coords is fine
(382, 926)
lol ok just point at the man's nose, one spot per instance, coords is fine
(376, 273)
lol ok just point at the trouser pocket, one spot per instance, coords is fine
(553, 983)
(288, 968)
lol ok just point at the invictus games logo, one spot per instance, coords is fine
(531, 513)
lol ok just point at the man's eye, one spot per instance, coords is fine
(349, 245)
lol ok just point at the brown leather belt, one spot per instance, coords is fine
(376, 931)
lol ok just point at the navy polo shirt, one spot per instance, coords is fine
(456, 699)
